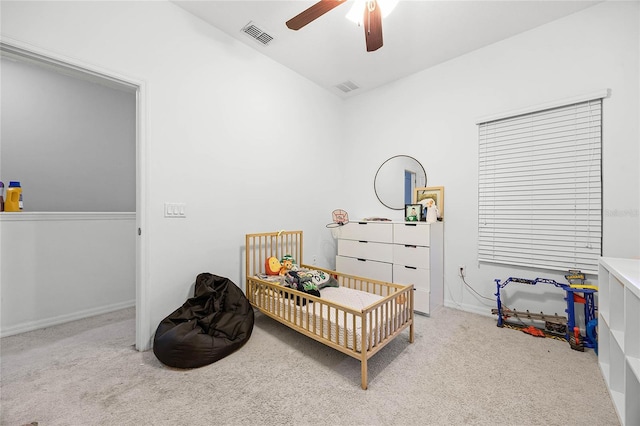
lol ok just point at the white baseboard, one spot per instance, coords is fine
(61, 319)
(485, 312)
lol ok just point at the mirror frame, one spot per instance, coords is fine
(376, 184)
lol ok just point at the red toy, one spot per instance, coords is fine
(534, 331)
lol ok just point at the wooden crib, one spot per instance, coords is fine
(358, 331)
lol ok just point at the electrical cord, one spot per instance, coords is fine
(473, 289)
(488, 298)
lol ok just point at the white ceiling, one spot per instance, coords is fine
(417, 35)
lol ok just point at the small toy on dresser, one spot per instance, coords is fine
(431, 212)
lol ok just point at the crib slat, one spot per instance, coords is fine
(344, 336)
(355, 336)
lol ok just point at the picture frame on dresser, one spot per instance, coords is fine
(413, 212)
(436, 193)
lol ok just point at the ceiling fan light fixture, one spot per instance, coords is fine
(356, 12)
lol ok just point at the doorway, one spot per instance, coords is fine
(87, 73)
(409, 185)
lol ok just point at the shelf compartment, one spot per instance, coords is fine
(632, 324)
(616, 377)
(604, 357)
(616, 367)
(616, 316)
(634, 367)
(632, 392)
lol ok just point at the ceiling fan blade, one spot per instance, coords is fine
(312, 13)
(373, 26)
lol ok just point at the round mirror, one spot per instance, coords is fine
(396, 179)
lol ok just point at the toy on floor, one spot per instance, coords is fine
(554, 324)
(534, 331)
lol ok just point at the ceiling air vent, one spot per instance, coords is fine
(256, 33)
(347, 86)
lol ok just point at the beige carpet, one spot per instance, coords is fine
(461, 369)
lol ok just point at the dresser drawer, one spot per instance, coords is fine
(408, 275)
(411, 233)
(421, 302)
(366, 250)
(372, 269)
(407, 255)
(366, 231)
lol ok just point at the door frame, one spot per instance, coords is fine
(142, 304)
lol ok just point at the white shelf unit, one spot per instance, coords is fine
(398, 252)
(619, 334)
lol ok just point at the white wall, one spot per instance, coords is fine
(431, 116)
(58, 267)
(68, 139)
(247, 144)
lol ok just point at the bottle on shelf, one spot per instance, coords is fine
(1, 196)
(14, 197)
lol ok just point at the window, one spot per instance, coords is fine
(540, 188)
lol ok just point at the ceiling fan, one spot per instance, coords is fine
(371, 18)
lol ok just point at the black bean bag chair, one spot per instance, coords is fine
(217, 321)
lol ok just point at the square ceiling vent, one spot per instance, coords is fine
(347, 86)
(256, 33)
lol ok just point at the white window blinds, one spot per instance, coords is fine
(540, 188)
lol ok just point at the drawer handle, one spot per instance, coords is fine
(411, 267)
(361, 260)
(363, 241)
(362, 223)
(410, 246)
(410, 224)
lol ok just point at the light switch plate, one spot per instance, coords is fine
(175, 210)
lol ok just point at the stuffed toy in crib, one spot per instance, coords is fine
(288, 264)
(272, 266)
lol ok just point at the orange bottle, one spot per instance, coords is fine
(14, 197)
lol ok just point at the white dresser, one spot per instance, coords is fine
(397, 252)
(619, 334)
